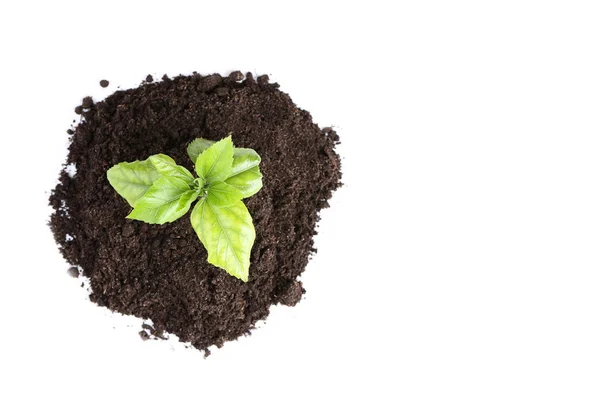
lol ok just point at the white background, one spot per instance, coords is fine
(460, 261)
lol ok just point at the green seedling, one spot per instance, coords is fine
(161, 191)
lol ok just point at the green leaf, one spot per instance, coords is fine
(245, 175)
(168, 199)
(198, 183)
(227, 234)
(132, 179)
(167, 167)
(243, 160)
(221, 194)
(214, 164)
(248, 183)
(197, 147)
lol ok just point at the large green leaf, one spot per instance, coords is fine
(167, 167)
(132, 179)
(227, 234)
(221, 194)
(168, 199)
(215, 163)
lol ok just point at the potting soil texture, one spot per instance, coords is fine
(160, 272)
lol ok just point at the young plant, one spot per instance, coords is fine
(161, 191)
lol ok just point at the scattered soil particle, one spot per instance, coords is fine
(104, 83)
(87, 102)
(160, 272)
(292, 296)
(236, 76)
(263, 79)
(149, 78)
(73, 272)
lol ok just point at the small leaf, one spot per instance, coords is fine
(248, 182)
(243, 160)
(132, 179)
(227, 234)
(167, 167)
(245, 175)
(221, 194)
(214, 164)
(197, 147)
(168, 199)
(198, 183)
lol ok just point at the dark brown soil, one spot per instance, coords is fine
(160, 272)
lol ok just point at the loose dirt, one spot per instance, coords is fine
(160, 272)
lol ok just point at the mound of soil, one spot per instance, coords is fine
(160, 272)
